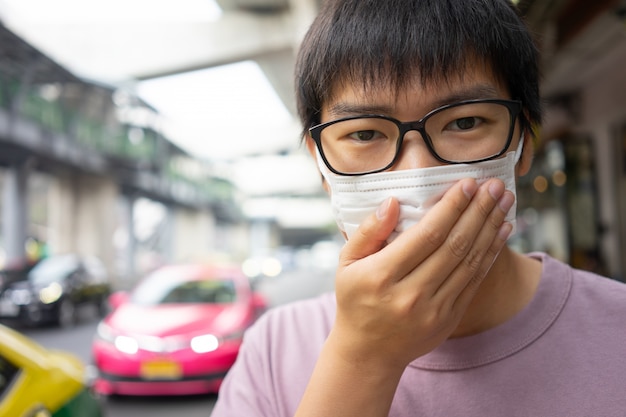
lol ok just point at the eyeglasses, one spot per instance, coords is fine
(464, 132)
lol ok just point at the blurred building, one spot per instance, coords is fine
(574, 200)
(77, 158)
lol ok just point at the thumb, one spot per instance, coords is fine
(372, 234)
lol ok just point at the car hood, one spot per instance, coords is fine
(169, 320)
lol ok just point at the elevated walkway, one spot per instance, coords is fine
(99, 143)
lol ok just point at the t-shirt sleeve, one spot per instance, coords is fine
(246, 390)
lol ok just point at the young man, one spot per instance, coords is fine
(419, 115)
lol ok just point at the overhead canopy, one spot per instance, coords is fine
(20, 59)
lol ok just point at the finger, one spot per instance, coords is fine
(430, 233)
(452, 309)
(459, 253)
(485, 248)
(457, 292)
(467, 294)
(373, 232)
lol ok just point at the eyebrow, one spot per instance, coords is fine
(479, 91)
(346, 109)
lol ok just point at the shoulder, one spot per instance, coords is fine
(310, 318)
(595, 292)
(552, 266)
(276, 359)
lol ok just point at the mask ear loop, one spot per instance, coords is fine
(326, 173)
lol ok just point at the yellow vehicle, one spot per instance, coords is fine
(37, 382)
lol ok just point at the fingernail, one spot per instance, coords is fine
(506, 202)
(381, 211)
(469, 188)
(496, 188)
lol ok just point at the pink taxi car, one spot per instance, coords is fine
(176, 333)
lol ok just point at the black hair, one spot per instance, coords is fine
(392, 41)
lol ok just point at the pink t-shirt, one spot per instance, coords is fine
(563, 355)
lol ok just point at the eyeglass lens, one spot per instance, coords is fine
(463, 133)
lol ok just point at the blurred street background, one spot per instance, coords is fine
(290, 286)
(144, 133)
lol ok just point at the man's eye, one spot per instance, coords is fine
(364, 135)
(464, 123)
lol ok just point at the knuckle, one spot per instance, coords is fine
(488, 259)
(458, 245)
(473, 260)
(494, 221)
(406, 304)
(479, 264)
(431, 319)
(436, 318)
(403, 307)
(376, 280)
(485, 206)
(434, 236)
(372, 285)
(475, 280)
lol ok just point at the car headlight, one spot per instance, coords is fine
(209, 342)
(51, 293)
(205, 343)
(125, 344)
(21, 297)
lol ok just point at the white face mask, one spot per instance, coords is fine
(417, 190)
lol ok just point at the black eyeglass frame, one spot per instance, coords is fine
(514, 107)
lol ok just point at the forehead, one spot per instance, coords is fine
(351, 96)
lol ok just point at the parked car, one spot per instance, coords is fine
(55, 288)
(16, 270)
(37, 382)
(176, 333)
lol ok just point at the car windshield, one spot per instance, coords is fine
(161, 289)
(53, 269)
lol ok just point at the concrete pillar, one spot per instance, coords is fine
(128, 245)
(233, 239)
(62, 207)
(168, 248)
(261, 237)
(193, 235)
(82, 216)
(15, 212)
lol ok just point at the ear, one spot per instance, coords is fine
(528, 152)
(310, 145)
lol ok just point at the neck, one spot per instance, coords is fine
(508, 287)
